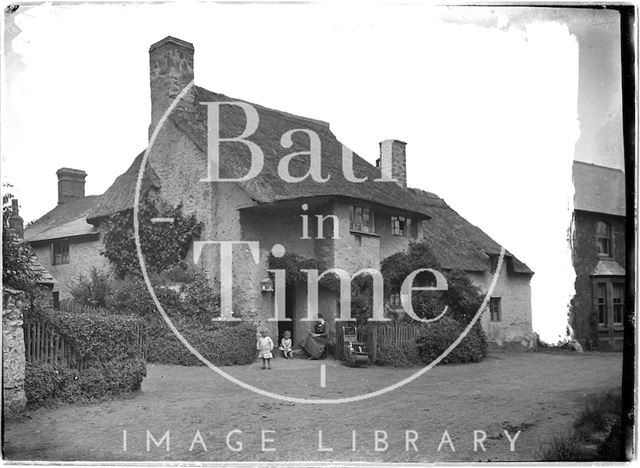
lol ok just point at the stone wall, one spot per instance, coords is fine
(13, 355)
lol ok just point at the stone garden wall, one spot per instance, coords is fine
(13, 355)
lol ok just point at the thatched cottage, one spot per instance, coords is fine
(367, 221)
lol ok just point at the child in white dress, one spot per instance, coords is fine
(285, 345)
(265, 345)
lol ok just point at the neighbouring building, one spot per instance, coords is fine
(361, 223)
(598, 252)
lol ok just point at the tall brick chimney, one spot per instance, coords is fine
(70, 184)
(170, 70)
(393, 161)
(15, 220)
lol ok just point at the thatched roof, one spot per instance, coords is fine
(598, 189)
(66, 220)
(121, 195)
(458, 244)
(268, 187)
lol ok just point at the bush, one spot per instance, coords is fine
(392, 357)
(92, 290)
(564, 448)
(436, 337)
(223, 344)
(47, 384)
(96, 337)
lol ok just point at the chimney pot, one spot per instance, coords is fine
(393, 161)
(70, 184)
(170, 71)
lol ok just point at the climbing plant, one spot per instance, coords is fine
(16, 253)
(164, 245)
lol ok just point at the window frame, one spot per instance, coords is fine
(495, 309)
(401, 226)
(357, 216)
(618, 307)
(604, 242)
(60, 252)
(602, 306)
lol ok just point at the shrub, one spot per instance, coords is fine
(436, 337)
(564, 448)
(221, 343)
(164, 245)
(92, 290)
(96, 337)
(392, 357)
(47, 384)
(16, 253)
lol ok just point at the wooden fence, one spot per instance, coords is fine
(378, 336)
(44, 345)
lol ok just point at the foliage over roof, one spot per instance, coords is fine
(598, 189)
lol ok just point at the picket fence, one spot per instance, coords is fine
(376, 337)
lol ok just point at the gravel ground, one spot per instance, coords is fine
(538, 394)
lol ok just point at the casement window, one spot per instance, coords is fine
(362, 219)
(60, 252)
(601, 303)
(495, 309)
(400, 226)
(603, 239)
(618, 303)
(394, 300)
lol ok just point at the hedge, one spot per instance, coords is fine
(436, 337)
(96, 337)
(223, 344)
(47, 384)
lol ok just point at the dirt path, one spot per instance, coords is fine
(537, 393)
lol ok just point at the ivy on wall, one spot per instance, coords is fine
(164, 245)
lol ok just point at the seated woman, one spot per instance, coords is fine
(316, 343)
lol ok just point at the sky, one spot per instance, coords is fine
(494, 103)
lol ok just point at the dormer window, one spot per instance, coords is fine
(362, 219)
(400, 226)
(603, 239)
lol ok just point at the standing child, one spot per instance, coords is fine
(265, 345)
(285, 345)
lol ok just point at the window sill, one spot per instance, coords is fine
(362, 233)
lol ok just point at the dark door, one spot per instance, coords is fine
(289, 305)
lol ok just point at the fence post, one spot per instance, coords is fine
(374, 345)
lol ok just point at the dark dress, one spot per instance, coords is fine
(316, 345)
